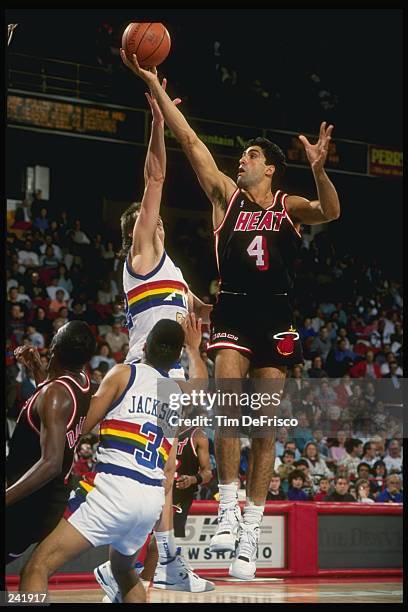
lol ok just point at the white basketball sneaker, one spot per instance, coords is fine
(243, 565)
(105, 578)
(226, 536)
(176, 575)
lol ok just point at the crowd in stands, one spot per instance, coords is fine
(346, 397)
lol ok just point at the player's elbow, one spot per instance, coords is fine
(52, 468)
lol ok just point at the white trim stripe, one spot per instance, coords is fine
(62, 382)
(228, 345)
(232, 200)
(88, 382)
(29, 407)
(191, 441)
(287, 215)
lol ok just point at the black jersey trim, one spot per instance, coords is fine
(150, 274)
(230, 203)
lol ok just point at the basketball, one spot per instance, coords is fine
(149, 41)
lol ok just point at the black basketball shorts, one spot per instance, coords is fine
(261, 328)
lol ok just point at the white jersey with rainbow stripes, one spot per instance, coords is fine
(138, 432)
(161, 294)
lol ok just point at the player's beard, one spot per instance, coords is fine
(247, 180)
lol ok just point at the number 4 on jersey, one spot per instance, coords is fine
(259, 249)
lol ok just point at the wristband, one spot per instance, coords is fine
(199, 478)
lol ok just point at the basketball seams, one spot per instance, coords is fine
(157, 48)
(143, 35)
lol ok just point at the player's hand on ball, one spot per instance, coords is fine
(192, 331)
(149, 76)
(317, 153)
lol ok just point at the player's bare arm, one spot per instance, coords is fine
(54, 406)
(29, 357)
(217, 186)
(111, 387)
(327, 207)
(184, 481)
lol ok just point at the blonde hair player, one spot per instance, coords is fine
(155, 289)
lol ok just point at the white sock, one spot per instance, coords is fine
(253, 514)
(228, 494)
(165, 544)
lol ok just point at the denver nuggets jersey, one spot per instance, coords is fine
(137, 433)
(256, 247)
(161, 294)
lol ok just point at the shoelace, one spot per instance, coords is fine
(248, 543)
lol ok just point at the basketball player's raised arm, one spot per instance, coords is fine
(109, 390)
(203, 454)
(217, 186)
(54, 406)
(327, 207)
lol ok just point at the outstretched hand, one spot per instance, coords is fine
(29, 357)
(156, 112)
(148, 75)
(317, 153)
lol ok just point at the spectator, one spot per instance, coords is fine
(385, 367)
(379, 474)
(49, 260)
(58, 302)
(291, 445)
(116, 338)
(16, 323)
(118, 316)
(392, 492)
(281, 439)
(302, 432)
(320, 442)
(79, 236)
(308, 485)
(307, 330)
(344, 391)
(370, 394)
(295, 384)
(84, 462)
(35, 287)
(321, 345)
(41, 323)
(366, 368)
(296, 481)
(77, 313)
(369, 453)
(316, 371)
(105, 293)
(27, 257)
(364, 495)
(340, 493)
(308, 406)
(318, 321)
(285, 467)
(36, 339)
(53, 288)
(104, 356)
(275, 492)
(96, 377)
(354, 450)
(324, 486)
(63, 280)
(393, 457)
(317, 466)
(42, 222)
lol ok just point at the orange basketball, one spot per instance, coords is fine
(149, 41)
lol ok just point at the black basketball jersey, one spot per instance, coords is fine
(25, 449)
(256, 247)
(187, 462)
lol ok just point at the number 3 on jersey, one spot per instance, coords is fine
(259, 249)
